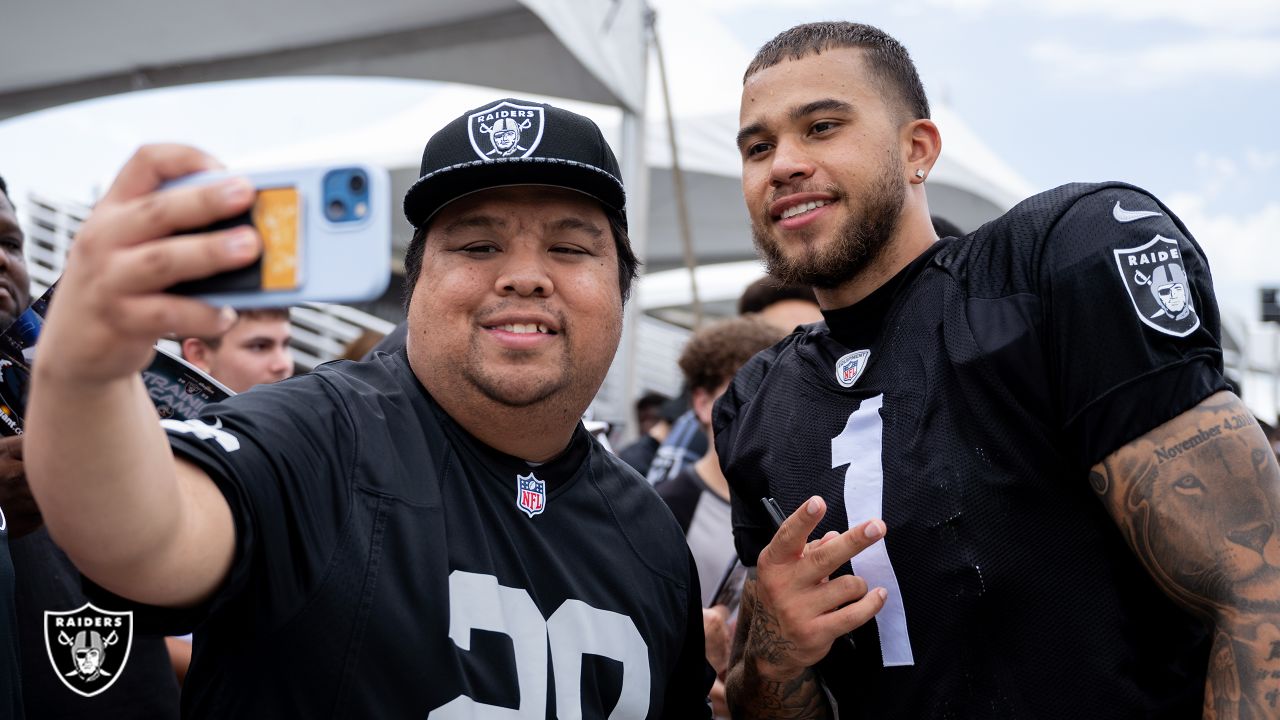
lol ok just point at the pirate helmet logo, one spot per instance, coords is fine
(1169, 287)
(88, 647)
(1156, 281)
(506, 130)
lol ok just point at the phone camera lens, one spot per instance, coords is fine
(356, 183)
(337, 209)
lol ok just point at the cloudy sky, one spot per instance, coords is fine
(1179, 97)
(1182, 98)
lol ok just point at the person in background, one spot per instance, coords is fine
(784, 305)
(254, 351)
(699, 495)
(44, 580)
(653, 428)
(14, 495)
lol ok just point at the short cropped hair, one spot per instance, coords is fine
(271, 313)
(766, 291)
(628, 263)
(888, 60)
(715, 353)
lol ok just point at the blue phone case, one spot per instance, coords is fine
(338, 262)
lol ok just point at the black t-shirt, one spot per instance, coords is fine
(389, 565)
(705, 518)
(10, 659)
(47, 582)
(998, 368)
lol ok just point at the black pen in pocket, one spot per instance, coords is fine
(775, 513)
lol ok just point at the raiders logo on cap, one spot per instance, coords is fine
(506, 130)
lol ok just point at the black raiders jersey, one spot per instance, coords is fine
(389, 565)
(964, 402)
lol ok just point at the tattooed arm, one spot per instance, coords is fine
(791, 614)
(1198, 500)
(753, 694)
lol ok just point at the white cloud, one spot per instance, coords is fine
(1259, 161)
(1242, 250)
(1160, 66)
(1216, 173)
(1223, 15)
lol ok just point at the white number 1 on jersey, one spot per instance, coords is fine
(859, 446)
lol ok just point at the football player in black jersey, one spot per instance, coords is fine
(430, 533)
(1078, 513)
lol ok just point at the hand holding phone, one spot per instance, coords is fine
(325, 232)
(112, 304)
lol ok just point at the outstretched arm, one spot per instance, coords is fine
(130, 516)
(792, 612)
(1198, 500)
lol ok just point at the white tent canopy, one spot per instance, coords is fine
(596, 50)
(60, 52)
(968, 186)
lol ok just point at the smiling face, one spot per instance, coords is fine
(822, 166)
(518, 301)
(15, 284)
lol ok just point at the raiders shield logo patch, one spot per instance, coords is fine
(1157, 284)
(505, 130)
(89, 647)
(849, 367)
(531, 494)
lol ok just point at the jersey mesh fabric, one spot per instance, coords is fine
(1021, 597)
(370, 527)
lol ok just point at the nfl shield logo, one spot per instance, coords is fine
(505, 130)
(531, 494)
(849, 367)
(89, 647)
(1156, 281)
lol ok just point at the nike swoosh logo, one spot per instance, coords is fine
(1124, 216)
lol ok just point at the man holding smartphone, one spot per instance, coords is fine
(429, 533)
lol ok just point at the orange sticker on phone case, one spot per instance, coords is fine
(276, 216)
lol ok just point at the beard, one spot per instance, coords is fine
(516, 390)
(858, 242)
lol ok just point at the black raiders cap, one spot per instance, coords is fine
(515, 142)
